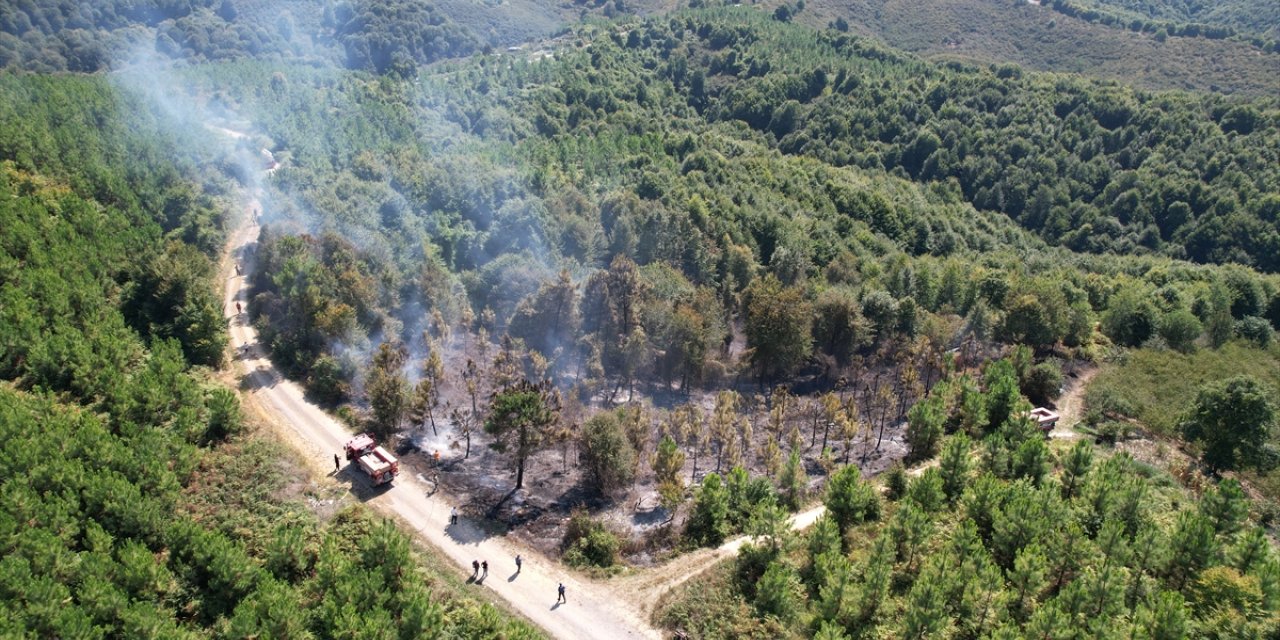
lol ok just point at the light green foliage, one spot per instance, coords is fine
(954, 466)
(1233, 421)
(109, 477)
(925, 427)
(793, 482)
(708, 524)
(608, 455)
(588, 543)
(926, 491)
(1003, 396)
(1226, 506)
(850, 500)
(778, 593)
(1159, 387)
(387, 390)
(667, 464)
(1180, 328)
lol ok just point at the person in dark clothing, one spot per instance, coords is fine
(560, 595)
(336, 463)
(484, 567)
(475, 567)
(519, 561)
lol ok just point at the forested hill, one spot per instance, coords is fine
(374, 35)
(1063, 36)
(52, 35)
(133, 503)
(1250, 17)
(1086, 165)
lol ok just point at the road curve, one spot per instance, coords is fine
(593, 611)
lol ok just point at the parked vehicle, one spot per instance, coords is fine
(376, 462)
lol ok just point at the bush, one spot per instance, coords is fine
(895, 481)
(709, 523)
(1180, 328)
(588, 543)
(1043, 383)
(850, 500)
(1256, 330)
(607, 453)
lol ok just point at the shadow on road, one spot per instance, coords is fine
(557, 605)
(513, 577)
(359, 484)
(260, 378)
(467, 532)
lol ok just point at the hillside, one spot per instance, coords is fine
(379, 35)
(1038, 37)
(138, 501)
(617, 295)
(1250, 17)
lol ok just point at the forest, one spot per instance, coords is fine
(1208, 19)
(134, 499)
(699, 177)
(663, 280)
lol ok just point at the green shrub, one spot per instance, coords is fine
(588, 543)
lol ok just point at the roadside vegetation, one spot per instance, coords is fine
(135, 503)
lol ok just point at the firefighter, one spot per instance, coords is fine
(336, 465)
(560, 595)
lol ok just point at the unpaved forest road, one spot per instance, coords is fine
(1071, 406)
(592, 610)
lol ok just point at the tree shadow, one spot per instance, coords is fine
(260, 378)
(467, 532)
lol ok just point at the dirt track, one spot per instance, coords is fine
(592, 611)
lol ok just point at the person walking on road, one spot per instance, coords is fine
(453, 515)
(560, 595)
(519, 561)
(484, 568)
(475, 567)
(336, 464)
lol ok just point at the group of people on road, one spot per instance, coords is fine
(479, 568)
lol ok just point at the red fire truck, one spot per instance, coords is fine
(375, 461)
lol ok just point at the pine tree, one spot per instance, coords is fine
(793, 482)
(955, 466)
(387, 390)
(521, 417)
(709, 523)
(666, 468)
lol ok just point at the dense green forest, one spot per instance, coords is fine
(379, 35)
(366, 34)
(1001, 539)
(704, 151)
(134, 504)
(689, 242)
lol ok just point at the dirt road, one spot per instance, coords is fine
(592, 610)
(1071, 406)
